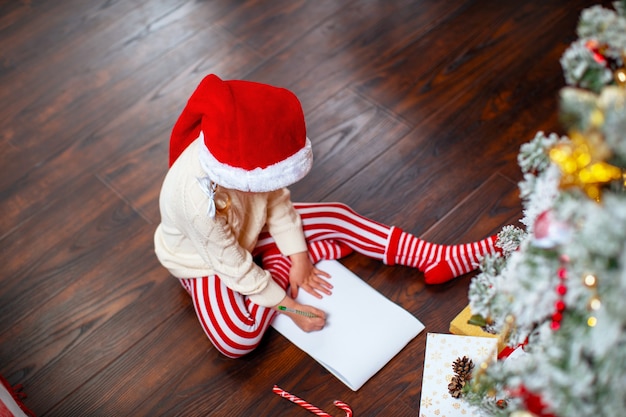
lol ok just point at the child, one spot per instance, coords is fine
(231, 234)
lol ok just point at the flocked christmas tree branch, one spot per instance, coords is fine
(562, 277)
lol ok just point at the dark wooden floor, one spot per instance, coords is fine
(416, 110)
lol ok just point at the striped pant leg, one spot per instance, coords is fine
(233, 324)
(338, 223)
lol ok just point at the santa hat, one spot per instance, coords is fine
(253, 135)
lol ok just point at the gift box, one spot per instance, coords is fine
(460, 325)
(441, 351)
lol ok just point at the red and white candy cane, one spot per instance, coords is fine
(313, 409)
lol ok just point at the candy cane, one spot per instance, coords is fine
(345, 407)
(310, 407)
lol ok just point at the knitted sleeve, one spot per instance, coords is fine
(234, 265)
(284, 223)
(216, 245)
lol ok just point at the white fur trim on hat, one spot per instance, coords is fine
(271, 178)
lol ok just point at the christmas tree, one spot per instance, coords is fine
(558, 290)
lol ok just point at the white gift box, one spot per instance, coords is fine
(441, 351)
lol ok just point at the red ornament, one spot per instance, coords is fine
(548, 232)
(597, 51)
(561, 290)
(508, 350)
(533, 402)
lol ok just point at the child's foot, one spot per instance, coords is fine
(440, 263)
(458, 260)
(439, 272)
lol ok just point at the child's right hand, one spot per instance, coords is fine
(307, 324)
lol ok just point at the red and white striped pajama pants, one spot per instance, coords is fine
(332, 230)
(235, 325)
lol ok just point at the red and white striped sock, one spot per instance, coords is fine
(440, 263)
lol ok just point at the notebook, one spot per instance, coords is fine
(364, 329)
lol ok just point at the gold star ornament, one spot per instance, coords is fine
(582, 165)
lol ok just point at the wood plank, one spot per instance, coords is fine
(340, 132)
(269, 27)
(87, 302)
(431, 73)
(142, 109)
(73, 92)
(157, 361)
(341, 48)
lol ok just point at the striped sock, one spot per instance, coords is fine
(440, 263)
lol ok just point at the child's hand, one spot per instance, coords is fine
(304, 274)
(307, 324)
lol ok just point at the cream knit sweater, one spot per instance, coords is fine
(191, 245)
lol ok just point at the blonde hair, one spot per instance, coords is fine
(222, 201)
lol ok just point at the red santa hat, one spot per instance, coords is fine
(253, 135)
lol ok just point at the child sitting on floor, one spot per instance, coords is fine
(230, 233)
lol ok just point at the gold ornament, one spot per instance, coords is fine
(596, 118)
(620, 77)
(582, 161)
(595, 303)
(591, 282)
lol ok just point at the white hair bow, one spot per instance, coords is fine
(209, 188)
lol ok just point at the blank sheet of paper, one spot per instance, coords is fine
(364, 329)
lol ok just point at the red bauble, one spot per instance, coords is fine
(533, 402)
(549, 232)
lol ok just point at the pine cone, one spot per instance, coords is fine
(463, 367)
(455, 387)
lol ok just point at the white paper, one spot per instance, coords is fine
(364, 330)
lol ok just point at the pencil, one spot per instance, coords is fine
(302, 313)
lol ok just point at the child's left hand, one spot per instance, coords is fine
(305, 275)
